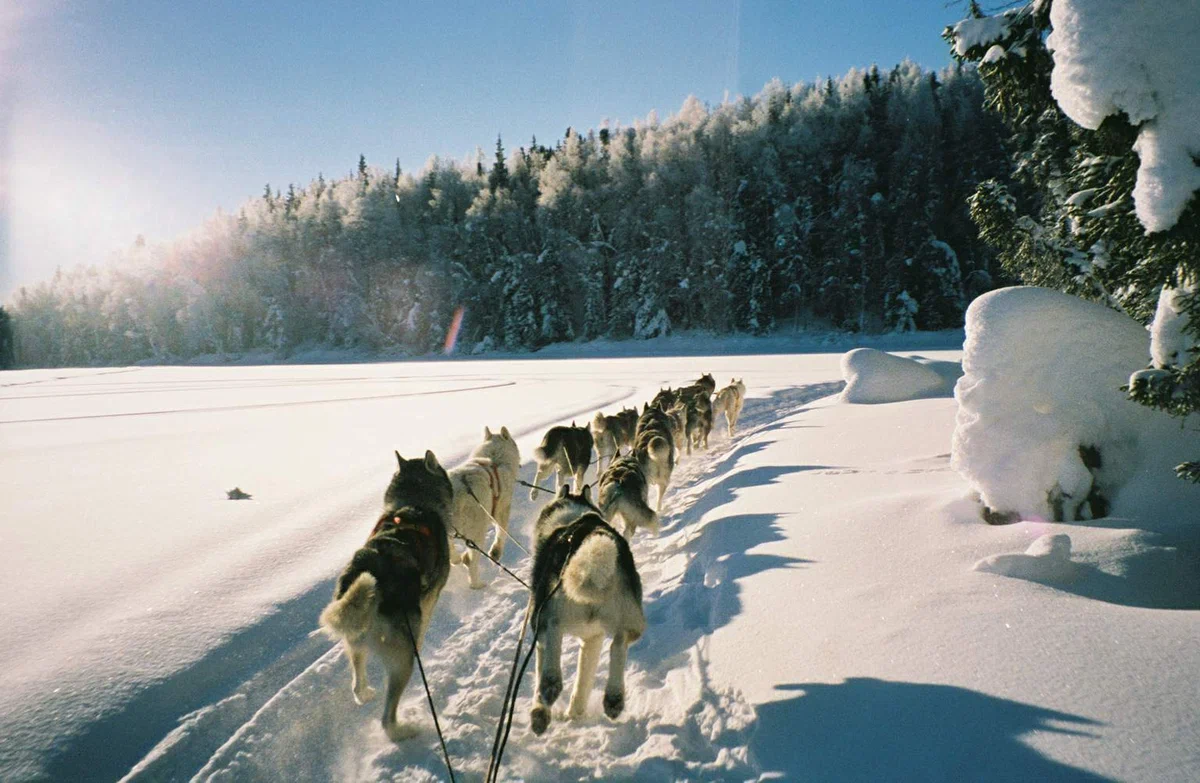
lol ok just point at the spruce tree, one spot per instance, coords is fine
(1068, 221)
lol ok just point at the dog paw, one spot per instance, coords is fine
(364, 695)
(496, 551)
(614, 703)
(539, 719)
(550, 688)
(477, 585)
(399, 732)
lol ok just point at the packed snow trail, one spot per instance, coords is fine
(676, 725)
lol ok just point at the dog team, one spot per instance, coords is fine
(585, 582)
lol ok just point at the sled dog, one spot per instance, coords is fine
(483, 493)
(384, 599)
(698, 398)
(564, 451)
(654, 449)
(623, 493)
(585, 583)
(729, 400)
(611, 434)
(678, 413)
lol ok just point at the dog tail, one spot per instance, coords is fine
(599, 424)
(349, 617)
(549, 446)
(592, 570)
(659, 449)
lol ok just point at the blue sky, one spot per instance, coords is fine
(128, 117)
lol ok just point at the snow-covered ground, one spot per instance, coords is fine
(824, 601)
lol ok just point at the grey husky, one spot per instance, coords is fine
(729, 400)
(585, 583)
(654, 449)
(385, 597)
(698, 398)
(483, 493)
(563, 451)
(623, 493)
(611, 434)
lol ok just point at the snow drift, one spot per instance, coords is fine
(1043, 429)
(875, 376)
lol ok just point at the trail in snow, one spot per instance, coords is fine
(302, 718)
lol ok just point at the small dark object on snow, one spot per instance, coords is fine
(237, 494)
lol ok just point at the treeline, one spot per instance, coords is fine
(840, 203)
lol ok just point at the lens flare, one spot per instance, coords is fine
(452, 332)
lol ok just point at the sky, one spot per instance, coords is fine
(128, 117)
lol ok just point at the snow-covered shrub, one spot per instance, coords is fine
(1043, 429)
(875, 376)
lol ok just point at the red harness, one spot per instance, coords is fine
(395, 519)
(493, 475)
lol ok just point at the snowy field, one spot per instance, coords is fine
(824, 602)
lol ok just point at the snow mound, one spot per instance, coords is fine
(1048, 559)
(1043, 429)
(1113, 56)
(875, 376)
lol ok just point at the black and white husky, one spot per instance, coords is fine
(730, 400)
(624, 494)
(563, 451)
(385, 598)
(585, 583)
(654, 449)
(483, 493)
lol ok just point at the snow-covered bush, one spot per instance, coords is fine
(875, 376)
(1043, 429)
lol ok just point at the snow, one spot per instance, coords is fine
(873, 376)
(1113, 56)
(1041, 385)
(970, 33)
(814, 606)
(1169, 343)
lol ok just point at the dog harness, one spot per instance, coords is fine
(493, 475)
(396, 519)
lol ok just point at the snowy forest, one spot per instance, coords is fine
(838, 204)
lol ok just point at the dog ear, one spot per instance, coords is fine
(431, 463)
(399, 460)
(645, 407)
(563, 490)
(504, 432)
(587, 492)
(487, 433)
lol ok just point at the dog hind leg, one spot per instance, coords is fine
(614, 689)
(543, 472)
(399, 659)
(359, 683)
(549, 676)
(585, 678)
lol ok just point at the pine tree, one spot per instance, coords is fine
(498, 176)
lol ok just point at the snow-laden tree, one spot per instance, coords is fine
(1103, 98)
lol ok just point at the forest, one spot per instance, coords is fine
(836, 204)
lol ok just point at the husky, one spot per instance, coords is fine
(629, 417)
(585, 583)
(564, 450)
(654, 449)
(729, 400)
(623, 493)
(385, 597)
(483, 493)
(678, 414)
(611, 434)
(698, 398)
(665, 398)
